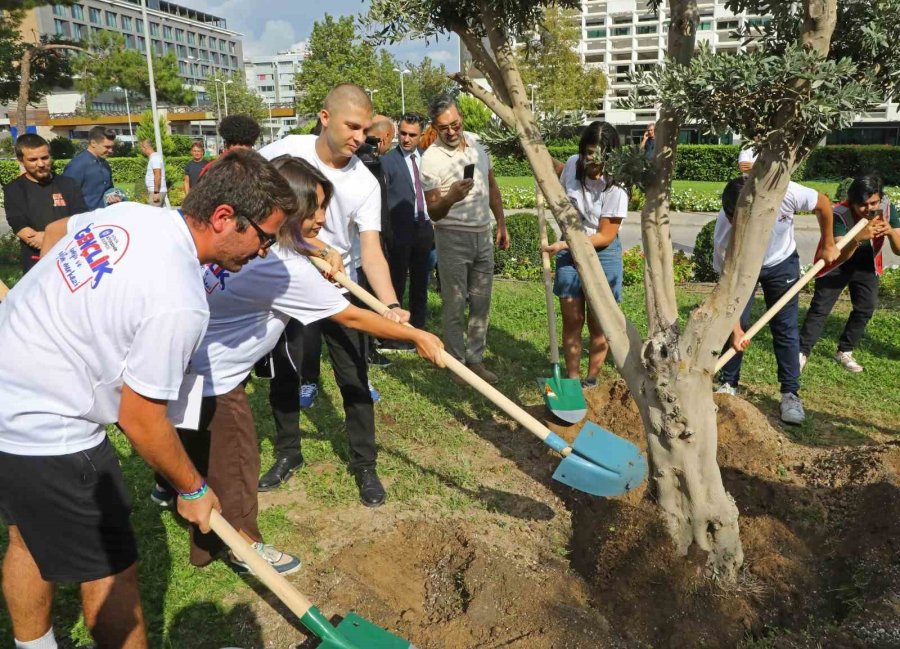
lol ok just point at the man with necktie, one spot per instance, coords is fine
(413, 234)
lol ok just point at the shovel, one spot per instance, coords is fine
(796, 288)
(353, 632)
(598, 462)
(564, 397)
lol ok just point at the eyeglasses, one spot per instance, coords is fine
(266, 239)
(446, 128)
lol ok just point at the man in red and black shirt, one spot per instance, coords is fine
(38, 197)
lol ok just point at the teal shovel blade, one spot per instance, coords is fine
(365, 635)
(602, 463)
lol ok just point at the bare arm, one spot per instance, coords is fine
(428, 345)
(377, 273)
(148, 429)
(604, 236)
(187, 184)
(31, 237)
(53, 233)
(439, 205)
(157, 178)
(825, 215)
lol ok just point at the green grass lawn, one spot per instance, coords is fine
(426, 432)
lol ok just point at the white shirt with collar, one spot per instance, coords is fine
(442, 166)
(408, 158)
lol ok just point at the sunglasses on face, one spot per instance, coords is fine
(266, 240)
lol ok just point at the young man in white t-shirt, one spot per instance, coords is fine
(99, 332)
(155, 177)
(353, 228)
(780, 270)
(248, 313)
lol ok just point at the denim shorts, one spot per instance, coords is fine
(567, 283)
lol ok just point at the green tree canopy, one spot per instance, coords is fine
(111, 65)
(49, 68)
(552, 64)
(476, 116)
(144, 131)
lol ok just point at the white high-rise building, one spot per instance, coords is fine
(272, 78)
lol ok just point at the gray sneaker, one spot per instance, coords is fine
(283, 562)
(727, 388)
(792, 409)
(846, 359)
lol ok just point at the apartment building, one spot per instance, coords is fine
(272, 78)
(623, 36)
(202, 43)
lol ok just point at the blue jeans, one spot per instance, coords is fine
(567, 282)
(784, 326)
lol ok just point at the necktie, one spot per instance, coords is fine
(420, 197)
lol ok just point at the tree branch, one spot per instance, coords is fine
(25, 77)
(483, 58)
(489, 99)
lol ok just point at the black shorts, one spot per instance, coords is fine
(72, 511)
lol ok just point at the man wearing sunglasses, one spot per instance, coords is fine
(461, 209)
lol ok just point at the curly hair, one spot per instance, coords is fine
(239, 130)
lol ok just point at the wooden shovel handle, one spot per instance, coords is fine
(4, 289)
(796, 288)
(548, 281)
(498, 398)
(281, 587)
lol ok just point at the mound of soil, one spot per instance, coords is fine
(820, 529)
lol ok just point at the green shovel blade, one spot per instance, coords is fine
(365, 635)
(563, 397)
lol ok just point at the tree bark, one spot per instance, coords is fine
(25, 77)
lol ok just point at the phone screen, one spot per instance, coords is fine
(469, 171)
(875, 214)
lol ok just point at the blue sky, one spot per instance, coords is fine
(284, 23)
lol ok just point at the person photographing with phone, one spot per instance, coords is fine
(461, 196)
(858, 268)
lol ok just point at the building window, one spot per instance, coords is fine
(204, 55)
(142, 43)
(179, 35)
(204, 70)
(212, 43)
(167, 32)
(182, 51)
(94, 15)
(77, 31)
(139, 25)
(182, 67)
(157, 47)
(95, 31)
(62, 27)
(192, 38)
(705, 26)
(202, 40)
(126, 23)
(221, 45)
(231, 47)
(170, 48)
(647, 29)
(112, 20)
(195, 69)
(596, 33)
(621, 31)
(77, 12)
(192, 51)
(728, 24)
(154, 29)
(59, 10)
(234, 62)
(215, 58)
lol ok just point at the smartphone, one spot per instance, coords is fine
(265, 368)
(876, 214)
(469, 171)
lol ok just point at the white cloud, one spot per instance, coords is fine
(277, 35)
(440, 56)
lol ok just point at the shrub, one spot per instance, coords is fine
(633, 265)
(9, 249)
(890, 283)
(841, 191)
(62, 147)
(523, 259)
(181, 146)
(842, 161)
(703, 254)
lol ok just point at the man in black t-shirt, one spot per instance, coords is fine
(38, 197)
(194, 168)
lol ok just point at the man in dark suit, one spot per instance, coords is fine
(413, 234)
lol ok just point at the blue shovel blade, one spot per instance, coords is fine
(602, 464)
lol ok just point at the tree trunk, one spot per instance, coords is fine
(24, 90)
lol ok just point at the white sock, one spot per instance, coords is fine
(46, 641)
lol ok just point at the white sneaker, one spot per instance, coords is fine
(727, 388)
(284, 563)
(846, 359)
(792, 409)
(802, 361)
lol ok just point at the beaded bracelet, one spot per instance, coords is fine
(395, 305)
(199, 493)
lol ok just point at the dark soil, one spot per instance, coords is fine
(820, 530)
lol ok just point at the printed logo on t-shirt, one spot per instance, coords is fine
(214, 278)
(58, 200)
(92, 254)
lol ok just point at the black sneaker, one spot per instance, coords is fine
(371, 491)
(378, 360)
(284, 468)
(397, 346)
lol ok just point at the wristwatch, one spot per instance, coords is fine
(324, 252)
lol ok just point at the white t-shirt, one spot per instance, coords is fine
(355, 206)
(747, 155)
(118, 300)
(250, 309)
(155, 161)
(797, 198)
(597, 199)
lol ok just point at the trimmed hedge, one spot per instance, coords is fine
(839, 162)
(523, 259)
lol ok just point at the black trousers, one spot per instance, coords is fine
(863, 284)
(346, 349)
(412, 260)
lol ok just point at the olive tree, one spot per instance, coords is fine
(796, 82)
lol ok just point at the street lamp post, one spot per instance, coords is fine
(271, 127)
(224, 93)
(218, 116)
(532, 86)
(153, 110)
(371, 92)
(402, 89)
(128, 112)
